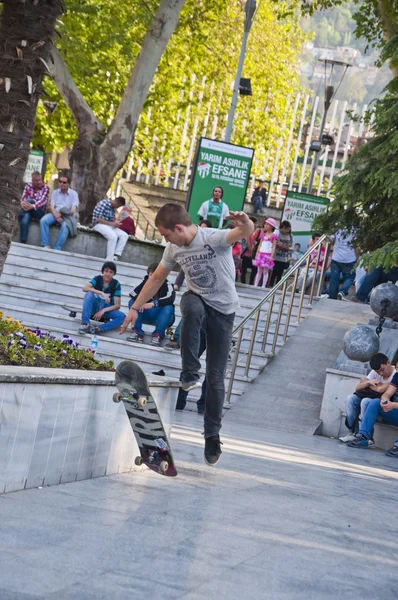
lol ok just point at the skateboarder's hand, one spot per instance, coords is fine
(238, 218)
(147, 306)
(387, 405)
(106, 298)
(98, 315)
(130, 318)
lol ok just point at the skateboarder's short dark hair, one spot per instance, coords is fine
(171, 215)
(377, 360)
(152, 268)
(120, 200)
(109, 265)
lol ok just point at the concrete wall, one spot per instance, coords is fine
(338, 386)
(92, 243)
(61, 425)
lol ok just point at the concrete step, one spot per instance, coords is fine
(118, 348)
(128, 274)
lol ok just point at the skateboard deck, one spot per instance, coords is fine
(145, 421)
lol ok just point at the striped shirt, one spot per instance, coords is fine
(39, 195)
(104, 210)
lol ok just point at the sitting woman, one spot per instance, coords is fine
(159, 311)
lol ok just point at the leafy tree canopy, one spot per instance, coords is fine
(366, 194)
(100, 41)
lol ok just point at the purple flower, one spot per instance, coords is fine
(19, 334)
(10, 343)
(37, 346)
(64, 352)
(22, 342)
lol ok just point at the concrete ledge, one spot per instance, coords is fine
(60, 425)
(91, 243)
(338, 386)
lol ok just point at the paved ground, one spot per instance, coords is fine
(282, 517)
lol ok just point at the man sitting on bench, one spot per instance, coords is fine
(102, 301)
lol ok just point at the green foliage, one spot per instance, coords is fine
(21, 346)
(366, 195)
(100, 41)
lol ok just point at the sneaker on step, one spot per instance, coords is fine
(135, 337)
(155, 341)
(84, 328)
(392, 451)
(212, 449)
(357, 300)
(187, 386)
(360, 441)
(341, 296)
(48, 247)
(347, 438)
(172, 345)
(115, 258)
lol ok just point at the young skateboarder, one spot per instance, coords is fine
(205, 256)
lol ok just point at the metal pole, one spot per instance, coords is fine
(234, 365)
(250, 8)
(316, 161)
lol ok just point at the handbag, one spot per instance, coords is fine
(368, 393)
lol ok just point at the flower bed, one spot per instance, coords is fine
(30, 348)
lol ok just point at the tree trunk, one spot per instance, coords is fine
(95, 159)
(26, 30)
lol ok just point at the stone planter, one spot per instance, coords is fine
(58, 425)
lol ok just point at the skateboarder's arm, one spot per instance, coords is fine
(147, 293)
(243, 227)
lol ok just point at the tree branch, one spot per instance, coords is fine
(87, 123)
(118, 141)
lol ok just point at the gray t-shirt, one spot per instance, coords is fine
(282, 254)
(208, 266)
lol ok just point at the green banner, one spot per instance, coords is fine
(300, 210)
(219, 164)
(35, 163)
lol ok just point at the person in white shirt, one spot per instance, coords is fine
(214, 210)
(343, 262)
(64, 203)
(370, 387)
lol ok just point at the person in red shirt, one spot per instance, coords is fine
(33, 204)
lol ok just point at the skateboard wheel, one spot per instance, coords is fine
(138, 461)
(142, 402)
(116, 397)
(164, 465)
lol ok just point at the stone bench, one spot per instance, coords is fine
(61, 425)
(91, 243)
(338, 386)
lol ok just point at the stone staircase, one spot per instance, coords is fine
(37, 282)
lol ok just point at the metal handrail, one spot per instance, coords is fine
(140, 214)
(270, 297)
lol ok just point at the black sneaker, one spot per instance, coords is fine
(392, 451)
(212, 449)
(360, 441)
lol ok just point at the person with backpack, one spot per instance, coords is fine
(102, 301)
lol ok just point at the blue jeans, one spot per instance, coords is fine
(92, 303)
(45, 224)
(182, 394)
(24, 218)
(160, 316)
(373, 411)
(373, 279)
(348, 272)
(355, 406)
(258, 204)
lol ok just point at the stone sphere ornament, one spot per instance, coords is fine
(360, 343)
(387, 291)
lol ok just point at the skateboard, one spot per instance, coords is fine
(73, 311)
(145, 421)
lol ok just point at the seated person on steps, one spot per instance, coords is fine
(159, 311)
(105, 223)
(33, 204)
(384, 408)
(63, 205)
(102, 301)
(370, 387)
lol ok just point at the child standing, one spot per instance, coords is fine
(264, 259)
